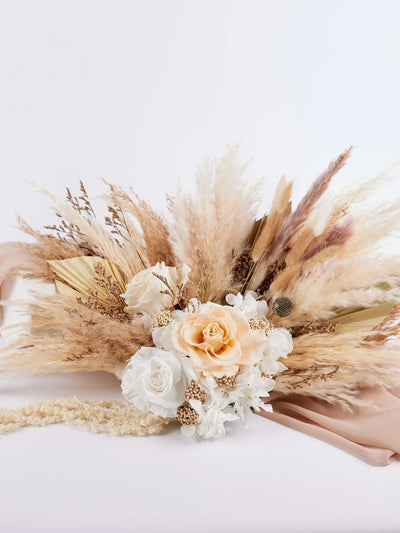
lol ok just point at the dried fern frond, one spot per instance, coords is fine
(209, 229)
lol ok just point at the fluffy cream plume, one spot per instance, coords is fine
(371, 227)
(352, 199)
(338, 260)
(68, 336)
(333, 286)
(209, 229)
(352, 206)
(336, 367)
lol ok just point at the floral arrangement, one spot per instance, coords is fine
(205, 312)
(211, 363)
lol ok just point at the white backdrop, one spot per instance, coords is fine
(139, 92)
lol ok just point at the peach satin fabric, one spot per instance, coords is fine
(373, 434)
(12, 259)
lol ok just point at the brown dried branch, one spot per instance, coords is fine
(178, 295)
(69, 232)
(115, 305)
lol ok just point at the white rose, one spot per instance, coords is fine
(144, 293)
(248, 305)
(155, 380)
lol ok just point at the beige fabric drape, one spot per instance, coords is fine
(12, 259)
(373, 433)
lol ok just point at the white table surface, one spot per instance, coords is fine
(266, 478)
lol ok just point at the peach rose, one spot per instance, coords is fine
(218, 339)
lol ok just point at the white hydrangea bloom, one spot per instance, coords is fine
(280, 342)
(250, 387)
(248, 304)
(211, 421)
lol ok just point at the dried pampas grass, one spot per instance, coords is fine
(46, 248)
(333, 286)
(154, 229)
(68, 336)
(335, 368)
(83, 229)
(209, 230)
(323, 259)
(294, 224)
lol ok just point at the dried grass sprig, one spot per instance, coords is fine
(115, 305)
(46, 248)
(77, 338)
(154, 228)
(333, 286)
(335, 368)
(295, 223)
(83, 229)
(209, 230)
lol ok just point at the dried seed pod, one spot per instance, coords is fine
(187, 416)
(283, 306)
(226, 381)
(194, 392)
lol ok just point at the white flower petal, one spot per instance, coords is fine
(249, 305)
(155, 380)
(280, 343)
(145, 293)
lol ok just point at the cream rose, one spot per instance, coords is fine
(218, 339)
(155, 380)
(145, 293)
